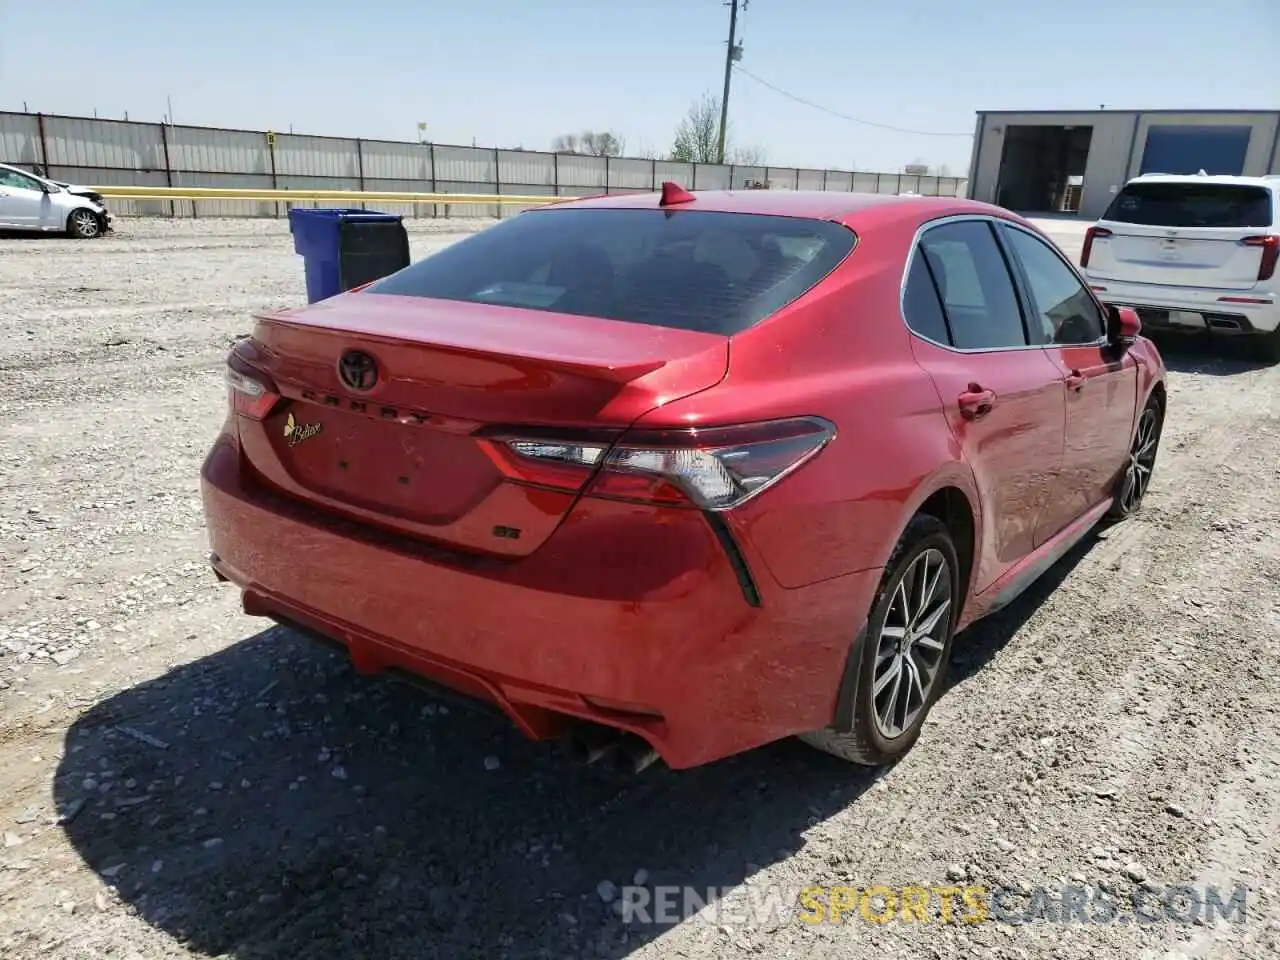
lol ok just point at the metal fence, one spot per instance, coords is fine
(101, 152)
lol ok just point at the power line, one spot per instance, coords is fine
(843, 116)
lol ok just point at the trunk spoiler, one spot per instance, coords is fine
(613, 363)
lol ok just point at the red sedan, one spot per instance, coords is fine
(681, 475)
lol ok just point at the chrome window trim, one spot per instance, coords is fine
(1102, 340)
(994, 222)
(902, 286)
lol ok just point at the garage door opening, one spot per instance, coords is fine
(1042, 168)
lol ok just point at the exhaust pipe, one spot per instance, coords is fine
(635, 755)
(592, 744)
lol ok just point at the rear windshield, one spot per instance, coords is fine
(1192, 205)
(694, 270)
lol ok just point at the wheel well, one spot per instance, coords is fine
(951, 507)
(1158, 395)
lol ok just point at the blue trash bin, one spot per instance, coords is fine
(343, 248)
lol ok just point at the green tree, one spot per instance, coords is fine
(697, 135)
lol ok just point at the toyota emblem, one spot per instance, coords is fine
(358, 370)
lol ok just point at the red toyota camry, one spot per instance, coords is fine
(679, 475)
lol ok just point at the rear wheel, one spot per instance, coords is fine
(83, 224)
(1141, 463)
(903, 657)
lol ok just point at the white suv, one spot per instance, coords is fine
(1193, 252)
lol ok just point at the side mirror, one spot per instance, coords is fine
(50, 187)
(1123, 325)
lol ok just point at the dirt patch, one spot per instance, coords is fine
(178, 781)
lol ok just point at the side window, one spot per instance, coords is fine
(973, 281)
(920, 304)
(1063, 307)
(11, 178)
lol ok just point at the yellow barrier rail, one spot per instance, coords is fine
(277, 196)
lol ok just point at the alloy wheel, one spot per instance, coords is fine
(84, 224)
(1142, 461)
(911, 643)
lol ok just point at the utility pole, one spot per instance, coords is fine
(174, 178)
(733, 53)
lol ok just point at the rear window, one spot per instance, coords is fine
(1192, 205)
(694, 270)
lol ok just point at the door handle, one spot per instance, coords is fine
(1075, 380)
(976, 402)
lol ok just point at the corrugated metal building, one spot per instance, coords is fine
(102, 152)
(1057, 161)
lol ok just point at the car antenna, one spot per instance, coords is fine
(673, 193)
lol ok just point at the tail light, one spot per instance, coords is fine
(251, 393)
(1270, 253)
(715, 468)
(1093, 233)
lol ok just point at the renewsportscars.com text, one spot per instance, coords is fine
(765, 904)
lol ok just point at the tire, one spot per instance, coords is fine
(1135, 478)
(880, 736)
(1266, 347)
(83, 224)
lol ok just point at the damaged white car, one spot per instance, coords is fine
(33, 203)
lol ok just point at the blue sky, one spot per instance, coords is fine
(511, 73)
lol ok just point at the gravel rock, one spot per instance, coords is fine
(28, 815)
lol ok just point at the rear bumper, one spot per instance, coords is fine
(654, 638)
(1196, 308)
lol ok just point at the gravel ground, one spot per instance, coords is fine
(178, 781)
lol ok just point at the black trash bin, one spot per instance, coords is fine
(342, 249)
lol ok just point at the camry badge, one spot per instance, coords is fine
(296, 432)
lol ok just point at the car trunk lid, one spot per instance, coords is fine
(405, 449)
